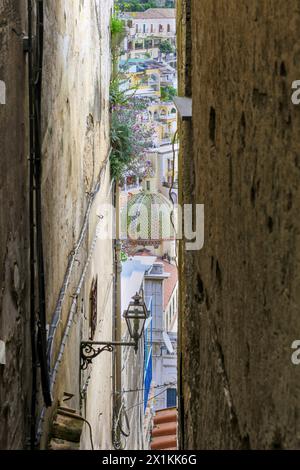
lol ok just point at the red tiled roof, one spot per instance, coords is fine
(164, 433)
(170, 283)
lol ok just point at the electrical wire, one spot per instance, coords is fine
(67, 277)
(143, 402)
(71, 315)
(117, 424)
(154, 387)
(91, 432)
(71, 415)
(170, 195)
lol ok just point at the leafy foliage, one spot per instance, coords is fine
(168, 93)
(116, 26)
(130, 136)
(166, 47)
(136, 5)
(121, 142)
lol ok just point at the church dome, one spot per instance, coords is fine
(146, 219)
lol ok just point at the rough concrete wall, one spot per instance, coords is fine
(14, 320)
(75, 145)
(241, 314)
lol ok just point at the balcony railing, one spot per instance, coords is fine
(165, 117)
(165, 140)
(141, 34)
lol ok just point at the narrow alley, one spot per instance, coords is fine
(149, 235)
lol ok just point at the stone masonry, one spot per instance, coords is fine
(240, 157)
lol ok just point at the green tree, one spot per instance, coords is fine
(136, 5)
(168, 93)
(166, 47)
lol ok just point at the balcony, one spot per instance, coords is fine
(165, 117)
(156, 34)
(166, 140)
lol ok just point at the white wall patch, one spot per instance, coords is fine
(2, 92)
(2, 353)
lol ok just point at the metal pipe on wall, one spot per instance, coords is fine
(37, 286)
(42, 335)
(31, 230)
(117, 320)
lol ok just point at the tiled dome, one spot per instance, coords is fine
(147, 218)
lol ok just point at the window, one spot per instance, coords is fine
(171, 397)
(148, 43)
(136, 28)
(169, 28)
(148, 185)
(152, 28)
(161, 28)
(93, 309)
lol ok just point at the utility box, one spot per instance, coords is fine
(2, 353)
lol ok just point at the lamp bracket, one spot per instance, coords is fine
(91, 349)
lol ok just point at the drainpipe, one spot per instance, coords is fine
(37, 281)
(118, 322)
(117, 358)
(41, 339)
(31, 232)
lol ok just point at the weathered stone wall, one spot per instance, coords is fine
(75, 134)
(14, 310)
(76, 144)
(241, 293)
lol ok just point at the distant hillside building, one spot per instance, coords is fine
(147, 29)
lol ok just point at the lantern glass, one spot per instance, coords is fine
(135, 317)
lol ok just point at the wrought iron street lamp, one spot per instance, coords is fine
(135, 317)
